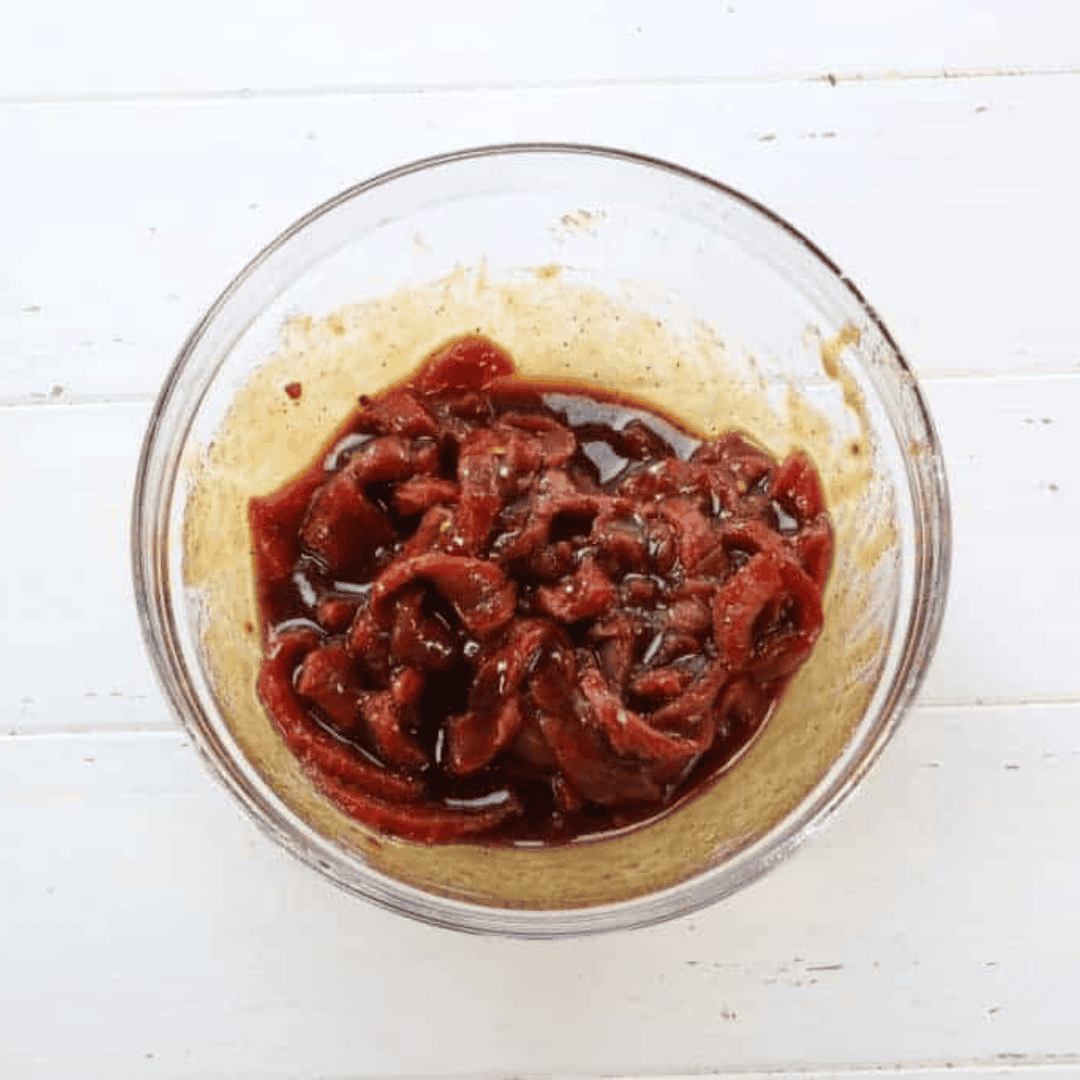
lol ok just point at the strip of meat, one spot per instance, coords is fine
(536, 590)
(317, 750)
(496, 713)
(420, 824)
(481, 595)
(589, 767)
(628, 732)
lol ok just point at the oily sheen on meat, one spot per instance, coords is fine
(508, 611)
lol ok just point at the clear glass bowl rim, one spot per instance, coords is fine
(152, 497)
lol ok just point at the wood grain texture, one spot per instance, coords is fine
(950, 203)
(901, 935)
(124, 47)
(148, 930)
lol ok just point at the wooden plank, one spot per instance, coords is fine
(151, 931)
(124, 47)
(1063, 1066)
(1050, 1069)
(950, 202)
(73, 656)
(1032, 1069)
(77, 661)
(1013, 621)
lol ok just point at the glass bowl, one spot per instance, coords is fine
(596, 265)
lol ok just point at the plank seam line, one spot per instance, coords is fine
(976, 73)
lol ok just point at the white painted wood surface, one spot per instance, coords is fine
(57, 49)
(149, 150)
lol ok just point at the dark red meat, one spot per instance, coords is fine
(483, 621)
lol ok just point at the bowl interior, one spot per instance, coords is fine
(585, 265)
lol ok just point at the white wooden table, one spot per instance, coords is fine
(149, 149)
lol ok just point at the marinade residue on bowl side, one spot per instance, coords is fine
(530, 612)
(556, 330)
